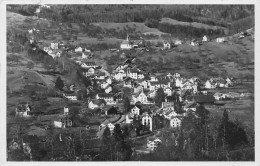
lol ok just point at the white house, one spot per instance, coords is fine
(140, 97)
(108, 97)
(153, 79)
(54, 45)
(126, 45)
(177, 42)
(166, 45)
(147, 121)
(135, 110)
(152, 143)
(221, 39)
(108, 89)
(175, 122)
(168, 91)
(91, 71)
(88, 65)
(66, 111)
(209, 85)
(70, 96)
(78, 49)
(204, 39)
(138, 88)
(145, 84)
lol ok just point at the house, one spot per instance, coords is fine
(166, 45)
(119, 76)
(78, 49)
(194, 43)
(63, 123)
(84, 56)
(167, 104)
(140, 97)
(126, 45)
(175, 122)
(136, 110)
(66, 111)
(134, 73)
(228, 82)
(121, 67)
(221, 83)
(153, 79)
(138, 88)
(145, 84)
(147, 121)
(100, 76)
(152, 94)
(108, 97)
(30, 31)
(108, 89)
(152, 143)
(204, 39)
(91, 71)
(104, 84)
(23, 110)
(190, 106)
(88, 65)
(54, 45)
(167, 91)
(177, 42)
(70, 95)
(201, 99)
(221, 39)
(96, 103)
(169, 112)
(47, 49)
(209, 85)
(178, 82)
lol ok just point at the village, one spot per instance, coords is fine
(112, 104)
(179, 96)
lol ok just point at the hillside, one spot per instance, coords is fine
(193, 24)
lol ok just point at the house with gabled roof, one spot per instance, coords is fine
(70, 95)
(152, 143)
(88, 65)
(136, 110)
(175, 122)
(168, 91)
(126, 44)
(141, 96)
(147, 120)
(108, 97)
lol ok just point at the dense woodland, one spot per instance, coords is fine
(234, 17)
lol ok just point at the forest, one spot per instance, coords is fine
(234, 17)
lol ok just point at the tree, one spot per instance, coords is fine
(127, 104)
(159, 97)
(106, 145)
(230, 133)
(59, 84)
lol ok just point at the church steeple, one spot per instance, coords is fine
(127, 38)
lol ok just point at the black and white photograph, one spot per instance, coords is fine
(129, 82)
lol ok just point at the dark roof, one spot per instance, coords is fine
(98, 101)
(201, 98)
(102, 95)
